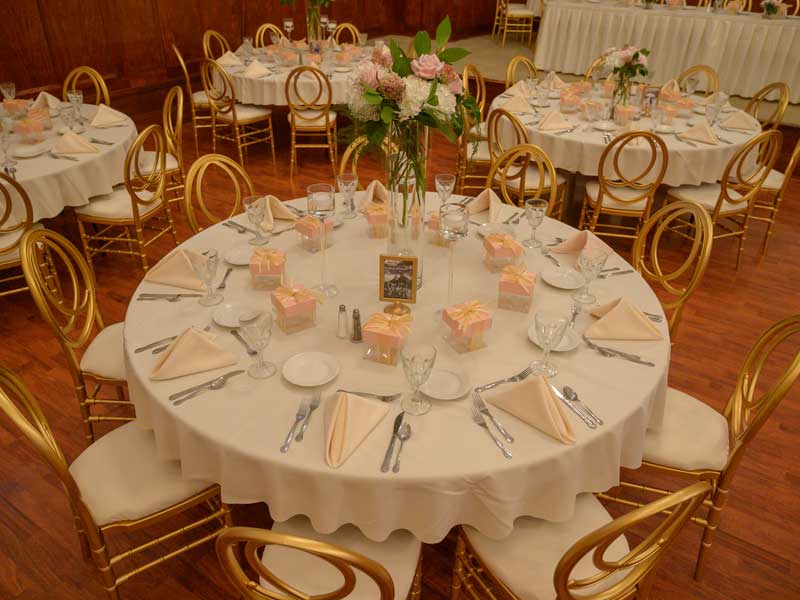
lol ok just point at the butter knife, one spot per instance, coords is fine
(387, 458)
(585, 418)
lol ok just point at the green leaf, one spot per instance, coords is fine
(433, 99)
(401, 64)
(376, 132)
(422, 43)
(453, 55)
(387, 114)
(443, 32)
(373, 98)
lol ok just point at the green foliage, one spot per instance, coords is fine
(453, 55)
(422, 43)
(400, 63)
(443, 32)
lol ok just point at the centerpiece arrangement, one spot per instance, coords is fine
(625, 64)
(773, 9)
(313, 22)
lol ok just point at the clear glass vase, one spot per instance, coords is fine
(313, 25)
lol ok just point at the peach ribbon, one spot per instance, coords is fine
(386, 324)
(467, 313)
(289, 296)
(519, 276)
(375, 209)
(503, 240)
(269, 257)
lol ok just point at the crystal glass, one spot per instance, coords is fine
(8, 89)
(256, 207)
(550, 328)
(593, 110)
(257, 333)
(657, 115)
(247, 49)
(591, 263)
(6, 127)
(332, 25)
(418, 361)
(274, 38)
(691, 86)
(212, 297)
(535, 210)
(75, 98)
(288, 27)
(453, 225)
(445, 184)
(347, 188)
(712, 112)
(541, 95)
(322, 204)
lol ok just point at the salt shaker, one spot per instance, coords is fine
(341, 330)
(356, 339)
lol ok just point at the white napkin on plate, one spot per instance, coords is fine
(701, 133)
(193, 351)
(107, 116)
(182, 268)
(48, 101)
(741, 121)
(622, 320)
(518, 105)
(349, 419)
(72, 143)
(256, 69)
(533, 402)
(229, 59)
(275, 209)
(553, 121)
(583, 240)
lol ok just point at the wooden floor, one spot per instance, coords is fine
(757, 551)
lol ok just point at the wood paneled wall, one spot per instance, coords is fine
(128, 41)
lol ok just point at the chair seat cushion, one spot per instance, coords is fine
(147, 157)
(692, 436)
(523, 11)
(247, 113)
(526, 560)
(398, 555)
(121, 477)
(117, 205)
(478, 151)
(593, 189)
(6, 239)
(774, 181)
(308, 118)
(104, 356)
(706, 195)
(478, 131)
(200, 98)
(532, 179)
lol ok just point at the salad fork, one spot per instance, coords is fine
(477, 417)
(314, 406)
(302, 412)
(483, 409)
(546, 253)
(513, 379)
(386, 398)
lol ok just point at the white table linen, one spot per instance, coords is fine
(452, 473)
(747, 51)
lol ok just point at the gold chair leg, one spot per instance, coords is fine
(458, 568)
(140, 244)
(196, 137)
(87, 252)
(584, 209)
(271, 139)
(714, 513)
(292, 154)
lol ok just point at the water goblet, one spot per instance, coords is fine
(445, 184)
(6, 126)
(453, 225)
(274, 38)
(75, 98)
(332, 24)
(288, 27)
(418, 361)
(348, 183)
(591, 263)
(256, 207)
(550, 328)
(535, 211)
(712, 112)
(541, 95)
(212, 297)
(257, 333)
(8, 89)
(691, 86)
(247, 50)
(657, 115)
(322, 204)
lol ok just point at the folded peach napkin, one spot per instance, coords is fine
(519, 89)
(554, 121)
(193, 351)
(275, 209)
(622, 320)
(375, 192)
(182, 268)
(701, 133)
(718, 98)
(742, 121)
(671, 86)
(553, 82)
(582, 240)
(72, 143)
(482, 201)
(349, 419)
(256, 69)
(533, 402)
(518, 105)
(107, 116)
(229, 59)
(48, 101)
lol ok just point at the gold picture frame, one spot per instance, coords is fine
(401, 289)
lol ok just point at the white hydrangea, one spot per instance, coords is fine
(447, 102)
(417, 92)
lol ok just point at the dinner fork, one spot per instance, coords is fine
(485, 410)
(546, 253)
(477, 417)
(61, 156)
(314, 406)
(513, 379)
(302, 411)
(387, 398)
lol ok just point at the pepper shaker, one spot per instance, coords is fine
(341, 331)
(356, 339)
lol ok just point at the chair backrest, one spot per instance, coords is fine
(794, 7)
(74, 81)
(214, 44)
(308, 89)
(172, 119)
(219, 89)
(264, 34)
(247, 543)
(504, 131)
(510, 173)
(353, 152)
(597, 63)
(633, 570)
(515, 64)
(145, 167)
(345, 29)
(790, 168)
(185, 75)
(774, 115)
(709, 74)
(475, 86)
(16, 212)
(676, 277)
(240, 181)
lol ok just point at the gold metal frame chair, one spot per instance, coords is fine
(525, 172)
(515, 20)
(772, 193)
(14, 223)
(618, 194)
(50, 262)
(121, 217)
(796, 10)
(346, 28)
(242, 187)
(172, 123)
(473, 160)
(75, 77)
(712, 79)
(681, 280)
(19, 405)
(310, 113)
(514, 64)
(614, 578)
(247, 124)
(355, 150)
(596, 64)
(774, 118)
(504, 131)
(263, 38)
(198, 103)
(736, 191)
(745, 413)
(470, 74)
(214, 44)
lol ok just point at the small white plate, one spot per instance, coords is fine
(605, 126)
(568, 342)
(700, 110)
(343, 69)
(492, 228)
(239, 256)
(310, 369)
(444, 384)
(31, 150)
(228, 314)
(530, 119)
(665, 129)
(554, 95)
(564, 279)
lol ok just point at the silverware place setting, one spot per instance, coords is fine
(250, 351)
(547, 254)
(382, 398)
(299, 417)
(387, 458)
(556, 241)
(477, 417)
(101, 142)
(572, 396)
(614, 353)
(515, 215)
(168, 297)
(223, 283)
(588, 421)
(217, 383)
(614, 273)
(162, 342)
(62, 156)
(239, 228)
(513, 379)
(11, 172)
(315, 402)
(484, 410)
(403, 435)
(163, 348)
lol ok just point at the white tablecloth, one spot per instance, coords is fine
(747, 51)
(53, 183)
(452, 473)
(579, 151)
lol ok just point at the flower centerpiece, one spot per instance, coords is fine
(771, 8)
(314, 26)
(396, 100)
(625, 63)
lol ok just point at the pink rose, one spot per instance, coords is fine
(642, 60)
(368, 74)
(626, 55)
(456, 86)
(427, 66)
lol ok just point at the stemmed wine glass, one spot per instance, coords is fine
(535, 210)
(247, 50)
(8, 89)
(347, 187)
(6, 126)
(321, 204)
(288, 27)
(274, 38)
(453, 225)
(332, 24)
(75, 98)
(418, 362)
(256, 207)
(712, 112)
(691, 86)
(550, 328)
(445, 184)
(591, 263)
(257, 333)
(212, 298)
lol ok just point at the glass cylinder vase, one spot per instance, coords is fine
(313, 25)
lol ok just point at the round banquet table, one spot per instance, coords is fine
(452, 473)
(579, 151)
(54, 183)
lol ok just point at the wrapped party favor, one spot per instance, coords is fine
(295, 308)
(377, 220)
(309, 229)
(385, 336)
(500, 251)
(515, 290)
(267, 266)
(468, 323)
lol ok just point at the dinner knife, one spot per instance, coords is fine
(226, 376)
(387, 459)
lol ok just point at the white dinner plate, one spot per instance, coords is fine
(665, 129)
(444, 384)
(700, 110)
(343, 69)
(531, 119)
(568, 342)
(310, 369)
(605, 126)
(228, 314)
(564, 279)
(31, 150)
(239, 256)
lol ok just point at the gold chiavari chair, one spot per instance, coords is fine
(63, 288)
(297, 561)
(355, 150)
(677, 278)
(620, 194)
(504, 131)
(793, 10)
(586, 558)
(473, 160)
(118, 485)
(761, 100)
(122, 218)
(214, 44)
(240, 182)
(711, 85)
(475, 86)
(74, 81)
(345, 29)
(242, 124)
(515, 19)
(525, 172)
(309, 95)
(597, 63)
(730, 201)
(198, 103)
(16, 219)
(264, 35)
(515, 64)
(697, 442)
